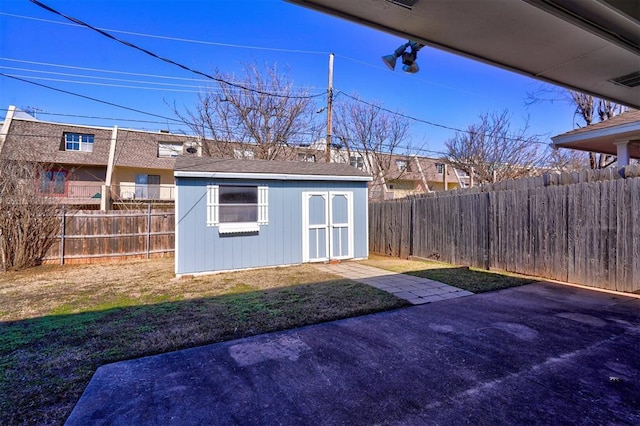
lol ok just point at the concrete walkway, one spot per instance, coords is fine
(414, 289)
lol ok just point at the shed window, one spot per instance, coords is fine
(233, 204)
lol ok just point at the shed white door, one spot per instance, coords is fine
(327, 219)
(341, 220)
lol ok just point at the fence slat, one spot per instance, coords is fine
(89, 236)
(582, 227)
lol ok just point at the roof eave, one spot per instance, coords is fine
(613, 131)
(269, 176)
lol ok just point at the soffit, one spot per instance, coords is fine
(577, 44)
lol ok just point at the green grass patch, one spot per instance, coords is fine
(61, 324)
(470, 279)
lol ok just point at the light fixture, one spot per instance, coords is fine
(409, 64)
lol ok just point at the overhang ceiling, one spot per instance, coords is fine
(592, 46)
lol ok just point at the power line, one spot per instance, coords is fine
(239, 46)
(74, 67)
(430, 123)
(237, 129)
(90, 98)
(93, 83)
(66, 74)
(95, 117)
(381, 108)
(185, 40)
(102, 70)
(170, 61)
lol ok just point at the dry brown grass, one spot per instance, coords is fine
(58, 324)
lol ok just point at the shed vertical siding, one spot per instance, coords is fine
(203, 249)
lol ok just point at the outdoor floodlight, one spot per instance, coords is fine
(390, 60)
(410, 65)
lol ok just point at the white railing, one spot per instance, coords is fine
(132, 191)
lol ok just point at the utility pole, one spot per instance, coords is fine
(329, 110)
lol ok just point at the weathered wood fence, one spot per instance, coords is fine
(580, 228)
(90, 236)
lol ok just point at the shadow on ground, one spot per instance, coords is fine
(536, 354)
(474, 280)
(46, 362)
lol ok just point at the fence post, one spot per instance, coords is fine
(62, 234)
(148, 229)
(489, 233)
(412, 207)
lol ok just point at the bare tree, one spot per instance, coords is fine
(376, 136)
(567, 160)
(258, 115)
(29, 218)
(492, 151)
(586, 107)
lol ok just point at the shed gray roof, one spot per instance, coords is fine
(202, 166)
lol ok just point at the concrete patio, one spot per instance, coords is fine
(537, 354)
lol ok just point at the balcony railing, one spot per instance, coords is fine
(71, 191)
(87, 190)
(129, 191)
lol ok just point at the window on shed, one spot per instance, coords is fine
(440, 168)
(169, 149)
(237, 204)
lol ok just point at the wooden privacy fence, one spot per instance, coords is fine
(585, 233)
(89, 236)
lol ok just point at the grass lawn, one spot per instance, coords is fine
(58, 324)
(471, 279)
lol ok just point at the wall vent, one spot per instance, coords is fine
(629, 80)
(404, 3)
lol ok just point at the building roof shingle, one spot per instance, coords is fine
(218, 165)
(619, 120)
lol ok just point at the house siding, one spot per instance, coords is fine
(203, 249)
(128, 175)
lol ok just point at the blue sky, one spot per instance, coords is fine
(40, 46)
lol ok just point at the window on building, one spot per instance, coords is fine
(53, 183)
(243, 153)
(440, 168)
(147, 186)
(403, 165)
(357, 162)
(307, 158)
(169, 149)
(229, 204)
(78, 142)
